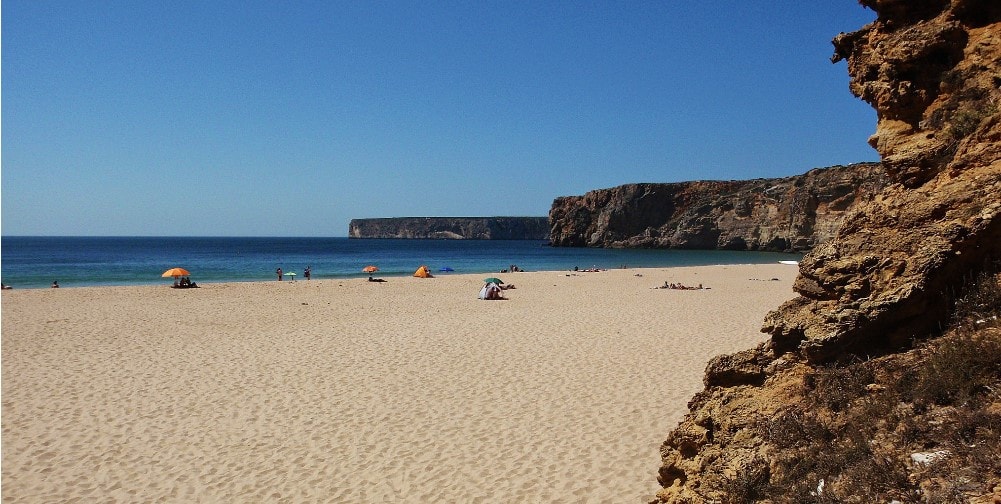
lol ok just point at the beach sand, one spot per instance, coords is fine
(351, 391)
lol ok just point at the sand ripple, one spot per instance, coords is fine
(353, 392)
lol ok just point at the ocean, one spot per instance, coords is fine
(35, 262)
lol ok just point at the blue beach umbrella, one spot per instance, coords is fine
(446, 268)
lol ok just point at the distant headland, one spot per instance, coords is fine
(791, 214)
(452, 228)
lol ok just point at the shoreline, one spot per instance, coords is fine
(349, 277)
(409, 390)
(83, 262)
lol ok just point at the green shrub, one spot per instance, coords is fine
(965, 121)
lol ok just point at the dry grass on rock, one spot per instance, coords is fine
(921, 426)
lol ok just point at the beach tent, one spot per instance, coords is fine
(423, 272)
(491, 291)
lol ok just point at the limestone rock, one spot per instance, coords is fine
(452, 228)
(742, 368)
(932, 71)
(784, 214)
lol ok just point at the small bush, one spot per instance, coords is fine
(960, 369)
(966, 120)
(980, 306)
(963, 364)
(795, 428)
(749, 485)
(976, 439)
(835, 387)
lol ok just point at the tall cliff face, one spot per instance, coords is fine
(452, 228)
(932, 71)
(786, 214)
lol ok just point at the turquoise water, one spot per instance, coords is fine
(35, 262)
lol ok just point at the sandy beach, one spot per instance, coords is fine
(349, 391)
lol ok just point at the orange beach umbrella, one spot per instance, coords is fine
(175, 272)
(370, 269)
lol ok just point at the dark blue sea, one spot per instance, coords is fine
(35, 262)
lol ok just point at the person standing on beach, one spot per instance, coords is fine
(307, 271)
(279, 273)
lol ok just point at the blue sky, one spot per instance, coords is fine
(265, 118)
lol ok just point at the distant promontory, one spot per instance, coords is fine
(452, 228)
(779, 214)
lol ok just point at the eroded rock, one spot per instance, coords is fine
(932, 71)
(786, 214)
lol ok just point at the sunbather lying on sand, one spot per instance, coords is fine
(678, 286)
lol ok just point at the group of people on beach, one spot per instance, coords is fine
(307, 273)
(185, 283)
(678, 286)
(3, 286)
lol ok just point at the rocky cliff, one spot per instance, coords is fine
(830, 400)
(452, 228)
(786, 214)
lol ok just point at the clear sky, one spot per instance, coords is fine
(289, 118)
